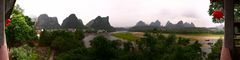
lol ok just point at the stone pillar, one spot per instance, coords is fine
(3, 44)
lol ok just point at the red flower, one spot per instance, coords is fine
(7, 22)
(6, 25)
(217, 14)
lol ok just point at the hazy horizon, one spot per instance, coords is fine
(123, 13)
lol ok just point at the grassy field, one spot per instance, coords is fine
(126, 36)
(136, 35)
(199, 36)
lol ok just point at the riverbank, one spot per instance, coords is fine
(190, 36)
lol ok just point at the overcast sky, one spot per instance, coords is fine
(123, 13)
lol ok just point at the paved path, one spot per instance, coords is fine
(87, 39)
(52, 55)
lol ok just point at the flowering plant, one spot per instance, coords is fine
(7, 22)
(216, 10)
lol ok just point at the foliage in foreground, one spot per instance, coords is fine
(24, 52)
(61, 40)
(153, 46)
(216, 51)
(20, 29)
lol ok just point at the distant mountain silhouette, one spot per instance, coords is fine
(90, 23)
(192, 25)
(46, 22)
(169, 24)
(155, 24)
(100, 23)
(186, 24)
(141, 24)
(180, 24)
(72, 22)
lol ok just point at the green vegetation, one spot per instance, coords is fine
(153, 46)
(126, 36)
(43, 53)
(64, 43)
(75, 54)
(20, 34)
(61, 40)
(20, 29)
(216, 51)
(195, 30)
(191, 31)
(198, 36)
(204, 34)
(24, 52)
(132, 36)
(103, 49)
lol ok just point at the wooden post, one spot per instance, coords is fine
(229, 27)
(3, 44)
(229, 20)
(2, 18)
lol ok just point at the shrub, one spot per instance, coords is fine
(75, 54)
(24, 52)
(64, 41)
(45, 38)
